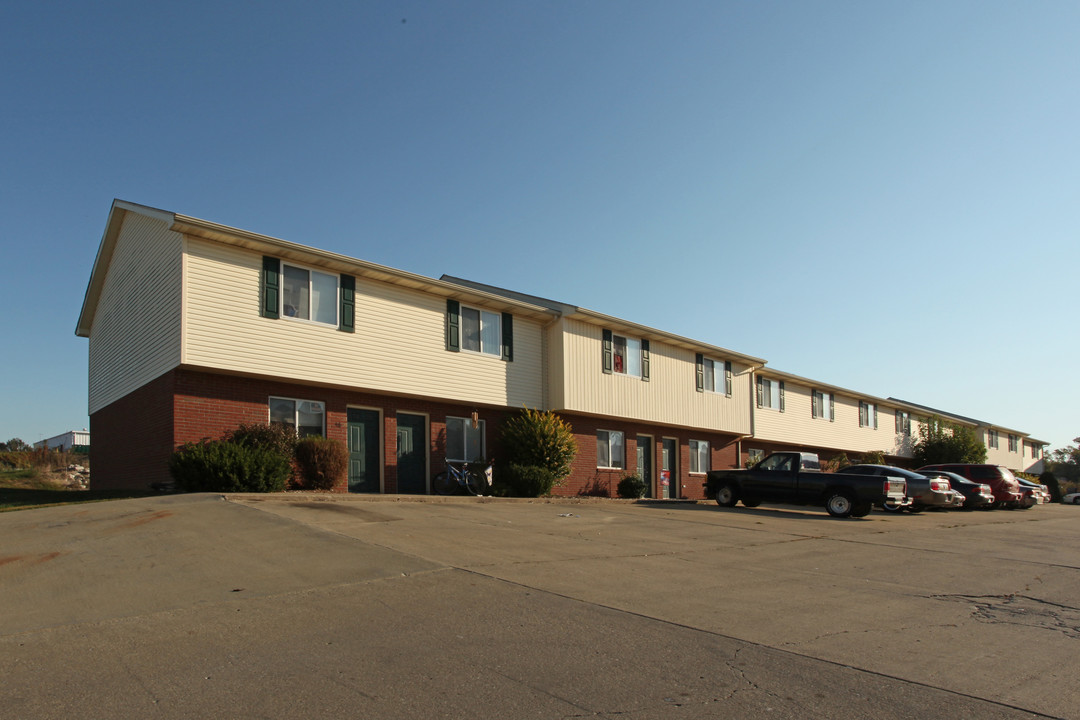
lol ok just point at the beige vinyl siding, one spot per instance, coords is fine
(135, 335)
(796, 425)
(1001, 455)
(669, 397)
(399, 345)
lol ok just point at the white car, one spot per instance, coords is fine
(1073, 498)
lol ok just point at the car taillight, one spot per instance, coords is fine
(940, 485)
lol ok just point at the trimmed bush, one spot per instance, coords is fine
(539, 439)
(525, 480)
(322, 464)
(632, 487)
(221, 466)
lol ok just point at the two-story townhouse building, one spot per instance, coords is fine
(196, 327)
(642, 400)
(796, 413)
(1013, 449)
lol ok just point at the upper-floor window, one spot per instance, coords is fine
(609, 449)
(867, 415)
(305, 417)
(1014, 442)
(770, 394)
(903, 422)
(992, 439)
(713, 375)
(823, 405)
(305, 294)
(481, 331)
(625, 355)
(699, 456)
(464, 443)
(309, 295)
(1036, 451)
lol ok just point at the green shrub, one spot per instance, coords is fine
(631, 486)
(14, 460)
(518, 480)
(539, 439)
(221, 466)
(281, 438)
(322, 464)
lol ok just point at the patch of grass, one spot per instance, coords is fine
(25, 489)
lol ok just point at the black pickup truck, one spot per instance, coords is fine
(796, 478)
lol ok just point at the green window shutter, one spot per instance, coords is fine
(699, 360)
(453, 325)
(898, 422)
(862, 414)
(832, 407)
(645, 360)
(875, 417)
(347, 311)
(815, 399)
(507, 337)
(607, 352)
(727, 378)
(270, 287)
(781, 396)
(759, 390)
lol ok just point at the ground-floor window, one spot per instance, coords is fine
(464, 443)
(699, 456)
(305, 417)
(755, 456)
(609, 449)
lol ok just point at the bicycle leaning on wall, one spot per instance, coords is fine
(474, 479)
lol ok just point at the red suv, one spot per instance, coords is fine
(1006, 489)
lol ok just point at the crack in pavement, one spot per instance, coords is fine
(1017, 609)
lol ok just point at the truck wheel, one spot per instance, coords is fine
(892, 508)
(913, 509)
(726, 495)
(839, 504)
(750, 503)
(861, 509)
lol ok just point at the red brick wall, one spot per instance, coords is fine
(587, 479)
(133, 438)
(824, 454)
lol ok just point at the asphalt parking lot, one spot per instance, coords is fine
(289, 606)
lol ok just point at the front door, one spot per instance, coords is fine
(363, 434)
(644, 462)
(411, 454)
(669, 471)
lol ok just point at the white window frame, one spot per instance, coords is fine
(1014, 442)
(606, 442)
(629, 358)
(770, 394)
(466, 428)
(903, 419)
(699, 453)
(824, 402)
(715, 374)
(484, 318)
(870, 415)
(297, 407)
(283, 310)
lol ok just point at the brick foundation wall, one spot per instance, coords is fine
(133, 438)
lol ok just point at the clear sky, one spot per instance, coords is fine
(880, 196)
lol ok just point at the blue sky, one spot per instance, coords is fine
(880, 196)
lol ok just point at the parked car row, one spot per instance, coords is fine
(852, 491)
(960, 485)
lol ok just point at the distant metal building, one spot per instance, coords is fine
(72, 440)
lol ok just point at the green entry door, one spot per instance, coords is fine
(411, 454)
(363, 450)
(644, 462)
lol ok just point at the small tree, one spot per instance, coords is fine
(1051, 482)
(944, 442)
(875, 457)
(632, 487)
(540, 439)
(220, 466)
